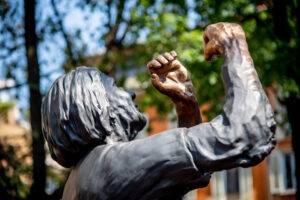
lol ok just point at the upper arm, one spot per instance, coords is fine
(233, 139)
(155, 165)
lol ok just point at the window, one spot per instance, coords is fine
(192, 195)
(234, 184)
(282, 172)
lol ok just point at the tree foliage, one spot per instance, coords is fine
(130, 33)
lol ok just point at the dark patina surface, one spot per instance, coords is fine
(90, 123)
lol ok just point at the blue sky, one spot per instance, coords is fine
(51, 50)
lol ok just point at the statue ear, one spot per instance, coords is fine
(112, 117)
(107, 119)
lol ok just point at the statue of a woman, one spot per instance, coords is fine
(90, 123)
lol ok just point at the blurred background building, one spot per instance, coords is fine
(41, 40)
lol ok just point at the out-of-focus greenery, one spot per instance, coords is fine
(133, 31)
(14, 173)
(168, 31)
(5, 106)
(166, 25)
(13, 168)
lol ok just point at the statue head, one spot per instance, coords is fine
(83, 109)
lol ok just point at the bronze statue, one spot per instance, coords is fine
(90, 123)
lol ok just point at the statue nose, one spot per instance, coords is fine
(132, 94)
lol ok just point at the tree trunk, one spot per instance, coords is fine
(38, 151)
(292, 103)
(293, 110)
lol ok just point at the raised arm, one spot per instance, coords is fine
(167, 165)
(244, 133)
(171, 78)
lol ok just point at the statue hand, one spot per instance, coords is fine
(171, 78)
(219, 37)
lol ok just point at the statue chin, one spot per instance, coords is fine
(136, 127)
(128, 125)
(142, 123)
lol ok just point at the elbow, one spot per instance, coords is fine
(253, 138)
(257, 154)
(260, 141)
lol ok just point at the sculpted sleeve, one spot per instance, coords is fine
(178, 160)
(158, 167)
(167, 165)
(243, 135)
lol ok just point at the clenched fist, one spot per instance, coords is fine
(218, 38)
(171, 78)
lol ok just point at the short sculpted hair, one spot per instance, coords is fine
(76, 115)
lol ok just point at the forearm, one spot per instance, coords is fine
(244, 133)
(188, 114)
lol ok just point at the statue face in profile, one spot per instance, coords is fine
(128, 118)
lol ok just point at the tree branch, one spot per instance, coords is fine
(12, 87)
(129, 23)
(109, 14)
(65, 35)
(112, 34)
